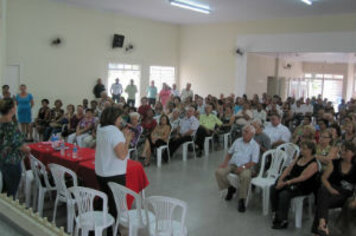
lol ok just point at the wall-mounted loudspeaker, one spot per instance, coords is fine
(118, 41)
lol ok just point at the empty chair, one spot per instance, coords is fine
(60, 174)
(43, 184)
(87, 219)
(291, 150)
(130, 218)
(163, 209)
(278, 157)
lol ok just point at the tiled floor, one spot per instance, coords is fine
(208, 214)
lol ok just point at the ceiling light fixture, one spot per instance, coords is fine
(308, 2)
(191, 5)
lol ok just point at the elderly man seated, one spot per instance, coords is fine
(185, 131)
(242, 156)
(277, 132)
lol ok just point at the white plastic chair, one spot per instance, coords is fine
(163, 208)
(185, 149)
(160, 151)
(44, 186)
(134, 219)
(297, 206)
(278, 157)
(59, 174)
(87, 219)
(291, 150)
(207, 142)
(26, 184)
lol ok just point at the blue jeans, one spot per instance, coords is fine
(11, 175)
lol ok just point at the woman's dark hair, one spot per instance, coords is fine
(310, 145)
(6, 105)
(109, 116)
(164, 116)
(352, 147)
(90, 110)
(337, 128)
(58, 101)
(45, 100)
(325, 121)
(72, 106)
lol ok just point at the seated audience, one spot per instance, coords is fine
(43, 118)
(260, 137)
(144, 107)
(84, 128)
(242, 156)
(349, 133)
(228, 120)
(135, 128)
(300, 132)
(298, 179)
(186, 130)
(259, 113)
(277, 132)
(148, 123)
(157, 138)
(174, 121)
(208, 123)
(73, 121)
(338, 182)
(55, 125)
(346, 222)
(325, 152)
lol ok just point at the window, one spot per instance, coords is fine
(125, 72)
(327, 85)
(162, 74)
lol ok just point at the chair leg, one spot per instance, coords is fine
(265, 201)
(159, 158)
(76, 230)
(41, 195)
(55, 210)
(116, 227)
(298, 213)
(35, 194)
(185, 152)
(70, 219)
(206, 148)
(195, 154)
(98, 231)
(28, 186)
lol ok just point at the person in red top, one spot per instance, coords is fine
(144, 107)
(148, 123)
(165, 94)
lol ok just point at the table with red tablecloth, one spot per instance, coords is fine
(136, 178)
(84, 166)
(67, 160)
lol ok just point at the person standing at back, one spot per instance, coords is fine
(152, 93)
(131, 91)
(98, 88)
(187, 92)
(116, 90)
(25, 103)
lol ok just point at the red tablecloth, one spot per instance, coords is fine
(136, 178)
(42, 151)
(84, 154)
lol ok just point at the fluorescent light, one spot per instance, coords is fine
(308, 2)
(191, 5)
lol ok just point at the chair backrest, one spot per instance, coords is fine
(264, 160)
(84, 199)
(120, 193)
(40, 173)
(279, 158)
(291, 150)
(59, 174)
(163, 208)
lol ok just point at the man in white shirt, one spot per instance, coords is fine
(277, 132)
(187, 128)
(175, 91)
(242, 156)
(259, 113)
(116, 91)
(200, 106)
(308, 107)
(187, 92)
(244, 115)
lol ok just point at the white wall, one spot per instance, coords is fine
(207, 51)
(69, 71)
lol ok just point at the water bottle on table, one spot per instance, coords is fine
(75, 151)
(62, 148)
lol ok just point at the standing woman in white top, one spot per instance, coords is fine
(111, 153)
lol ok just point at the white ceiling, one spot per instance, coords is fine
(329, 57)
(223, 10)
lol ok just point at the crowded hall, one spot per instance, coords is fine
(178, 117)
